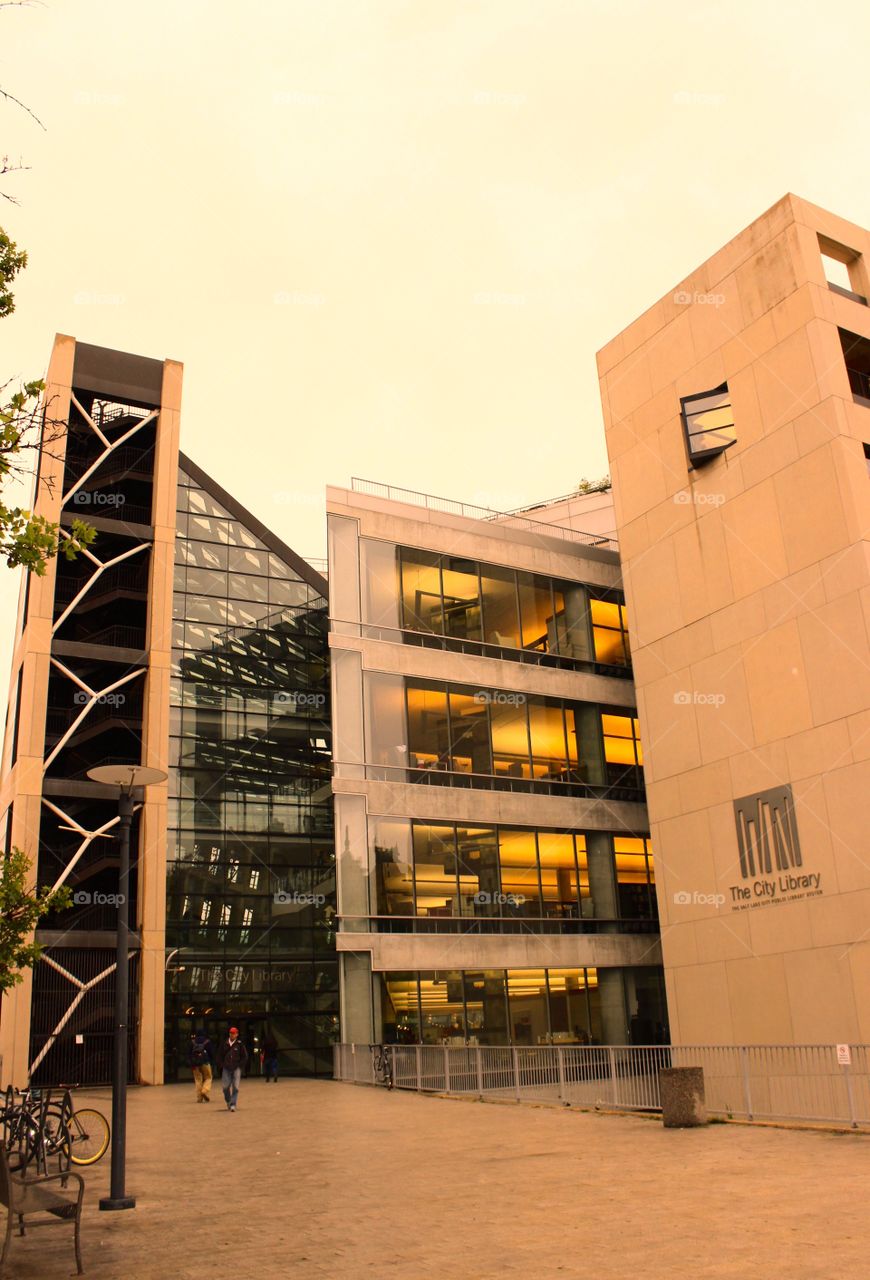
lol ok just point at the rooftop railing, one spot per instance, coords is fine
(450, 506)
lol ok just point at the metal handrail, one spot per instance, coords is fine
(481, 648)
(103, 411)
(451, 506)
(821, 1083)
(440, 775)
(469, 924)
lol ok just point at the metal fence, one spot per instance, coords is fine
(509, 519)
(749, 1082)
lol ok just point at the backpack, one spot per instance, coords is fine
(199, 1053)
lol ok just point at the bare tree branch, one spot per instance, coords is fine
(6, 167)
(10, 97)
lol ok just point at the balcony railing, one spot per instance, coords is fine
(518, 924)
(120, 579)
(438, 775)
(480, 648)
(116, 636)
(450, 506)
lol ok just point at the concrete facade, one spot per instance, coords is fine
(149, 648)
(747, 585)
(34, 793)
(365, 791)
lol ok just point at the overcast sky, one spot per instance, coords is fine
(387, 237)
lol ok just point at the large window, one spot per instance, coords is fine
(622, 750)
(436, 870)
(512, 736)
(635, 877)
(393, 869)
(445, 872)
(500, 610)
(609, 632)
(428, 728)
(523, 1007)
(421, 591)
(490, 608)
(462, 612)
(478, 862)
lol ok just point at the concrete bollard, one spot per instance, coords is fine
(682, 1093)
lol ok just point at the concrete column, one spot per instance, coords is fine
(155, 735)
(360, 1023)
(22, 786)
(612, 997)
(352, 861)
(602, 878)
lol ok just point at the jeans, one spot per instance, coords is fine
(270, 1066)
(230, 1083)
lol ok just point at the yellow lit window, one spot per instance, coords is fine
(621, 740)
(610, 632)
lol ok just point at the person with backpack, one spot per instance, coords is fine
(232, 1059)
(200, 1058)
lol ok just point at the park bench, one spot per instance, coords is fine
(24, 1196)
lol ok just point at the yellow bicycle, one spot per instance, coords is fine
(87, 1129)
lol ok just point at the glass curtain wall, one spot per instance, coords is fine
(496, 734)
(449, 871)
(422, 593)
(523, 1007)
(251, 874)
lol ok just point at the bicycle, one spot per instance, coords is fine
(31, 1133)
(87, 1129)
(382, 1064)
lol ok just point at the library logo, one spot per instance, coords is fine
(768, 845)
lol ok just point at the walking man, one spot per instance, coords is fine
(200, 1057)
(231, 1060)
(270, 1057)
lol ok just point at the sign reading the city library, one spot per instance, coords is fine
(770, 852)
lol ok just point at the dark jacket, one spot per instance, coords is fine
(200, 1042)
(231, 1056)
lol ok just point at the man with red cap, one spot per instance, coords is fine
(232, 1058)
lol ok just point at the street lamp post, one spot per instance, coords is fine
(125, 777)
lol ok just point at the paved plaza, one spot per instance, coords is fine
(315, 1179)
